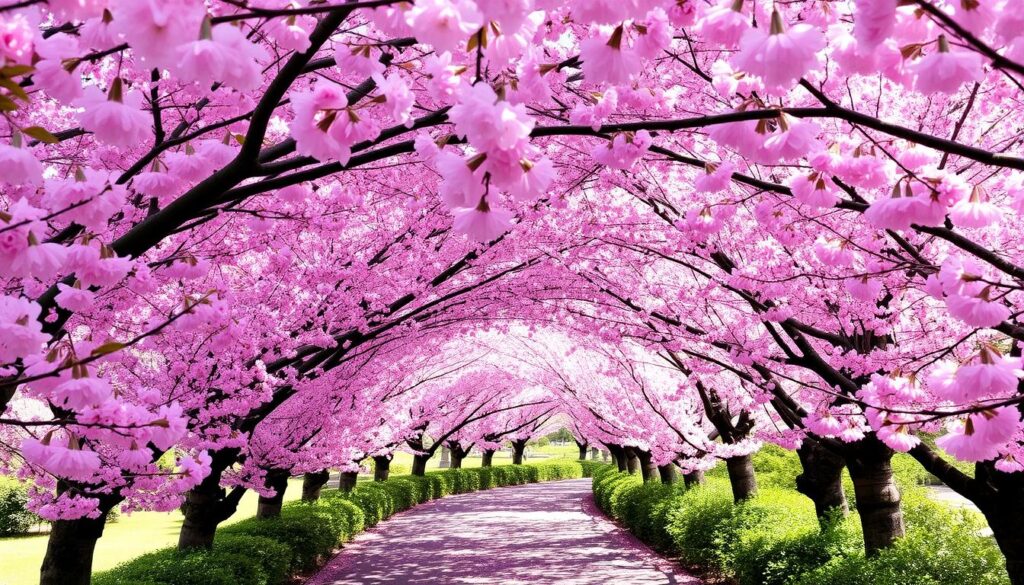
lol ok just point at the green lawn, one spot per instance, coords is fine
(142, 532)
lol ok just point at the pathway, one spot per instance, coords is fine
(536, 534)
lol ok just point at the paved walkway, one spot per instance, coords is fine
(534, 534)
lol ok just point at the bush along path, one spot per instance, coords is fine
(537, 534)
(775, 538)
(271, 551)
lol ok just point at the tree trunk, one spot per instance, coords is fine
(518, 452)
(619, 455)
(593, 453)
(648, 469)
(878, 498)
(822, 480)
(1007, 526)
(487, 459)
(668, 473)
(632, 462)
(208, 504)
(347, 481)
(381, 467)
(741, 477)
(458, 455)
(69, 551)
(270, 507)
(693, 479)
(583, 450)
(419, 464)
(312, 483)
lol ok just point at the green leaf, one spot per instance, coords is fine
(15, 70)
(108, 347)
(15, 89)
(7, 104)
(40, 134)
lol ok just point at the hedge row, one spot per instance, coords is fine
(271, 551)
(775, 538)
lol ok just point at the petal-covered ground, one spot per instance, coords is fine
(539, 533)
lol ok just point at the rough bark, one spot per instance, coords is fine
(518, 451)
(822, 480)
(619, 455)
(208, 504)
(632, 461)
(648, 470)
(693, 479)
(458, 455)
(69, 551)
(742, 477)
(668, 473)
(381, 467)
(313, 483)
(878, 498)
(347, 481)
(419, 464)
(487, 458)
(270, 507)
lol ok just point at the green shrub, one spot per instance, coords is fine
(14, 515)
(775, 538)
(309, 532)
(271, 555)
(171, 567)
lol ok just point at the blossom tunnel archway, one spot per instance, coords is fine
(247, 240)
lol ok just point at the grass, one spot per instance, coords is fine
(142, 532)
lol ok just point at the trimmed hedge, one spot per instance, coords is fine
(271, 551)
(775, 538)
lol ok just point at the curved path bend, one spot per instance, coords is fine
(534, 534)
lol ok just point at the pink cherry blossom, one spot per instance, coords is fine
(724, 23)
(482, 223)
(444, 23)
(116, 118)
(608, 61)
(780, 57)
(945, 71)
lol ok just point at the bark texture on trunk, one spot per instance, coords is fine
(878, 498)
(487, 459)
(381, 467)
(632, 461)
(347, 481)
(69, 551)
(742, 477)
(419, 464)
(518, 451)
(822, 480)
(583, 450)
(459, 454)
(693, 479)
(208, 504)
(668, 473)
(313, 483)
(270, 507)
(648, 470)
(619, 455)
